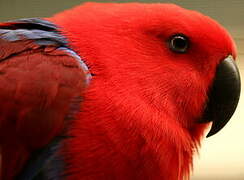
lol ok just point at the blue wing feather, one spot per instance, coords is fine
(45, 163)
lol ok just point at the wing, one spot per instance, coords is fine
(41, 85)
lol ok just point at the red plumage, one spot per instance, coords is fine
(36, 86)
(138, 119)
(139, 116)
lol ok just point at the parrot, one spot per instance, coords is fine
(113, 91)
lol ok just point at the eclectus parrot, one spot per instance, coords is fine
(112, 91)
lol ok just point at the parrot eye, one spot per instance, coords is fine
(179, 43)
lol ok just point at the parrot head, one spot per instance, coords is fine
(174, 60)
(160, 74)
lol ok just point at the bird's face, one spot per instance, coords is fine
(166, 56)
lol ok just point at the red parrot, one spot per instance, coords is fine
(112, 91)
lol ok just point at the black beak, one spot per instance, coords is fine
(223, 96)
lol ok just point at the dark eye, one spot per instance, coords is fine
(179, 43)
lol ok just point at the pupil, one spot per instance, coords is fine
(179, 43)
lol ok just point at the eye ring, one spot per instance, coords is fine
(179, 43)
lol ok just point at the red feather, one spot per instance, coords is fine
(37, 85)
(139, 116)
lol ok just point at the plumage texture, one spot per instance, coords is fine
(139, 115)
(38, 82)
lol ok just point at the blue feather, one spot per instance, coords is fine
(43, 33)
